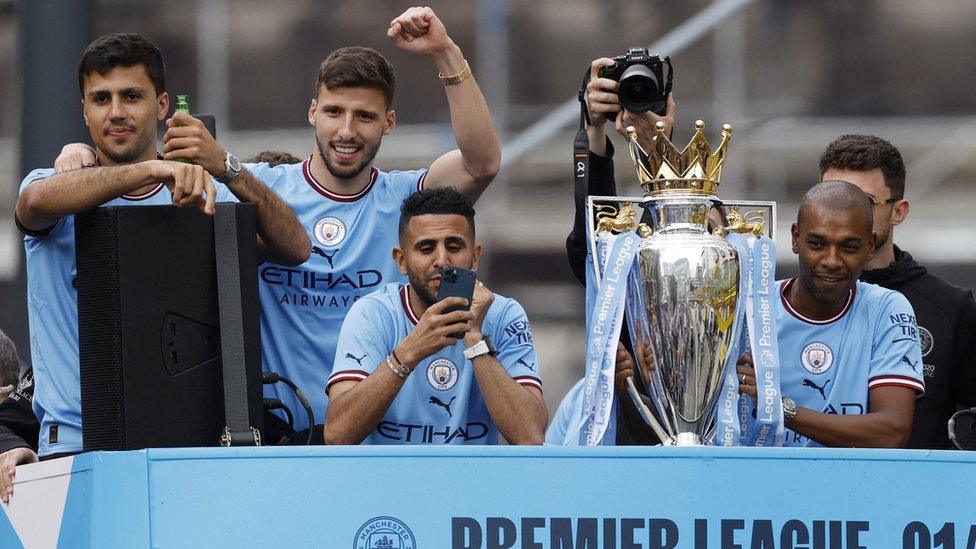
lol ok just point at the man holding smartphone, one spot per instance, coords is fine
(402, 375)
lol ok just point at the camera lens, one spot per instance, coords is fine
(639, 90)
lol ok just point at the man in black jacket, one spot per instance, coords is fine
(946, 314)
(602, 101)
(18, 424)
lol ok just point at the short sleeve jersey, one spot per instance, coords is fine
(567, 415)
(440, 402)
(831, 365)
(52, 309)
(302, 307)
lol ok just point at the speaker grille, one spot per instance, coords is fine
(99, 330)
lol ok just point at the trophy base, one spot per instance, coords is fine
(687, 439)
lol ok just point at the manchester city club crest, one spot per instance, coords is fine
(442, 374)
(596, 348)
(330, 231)
(384, 533)
(925, 340)
(817, 358)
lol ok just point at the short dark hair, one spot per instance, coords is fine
(439, 201)
(9, 361)
(357, 66)
(863, 153)
(122, 49)
(838, 195)
(274, 158)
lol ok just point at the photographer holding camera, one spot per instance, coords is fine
(630, 90)
(603, 103)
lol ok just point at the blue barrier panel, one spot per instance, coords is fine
(507, 497)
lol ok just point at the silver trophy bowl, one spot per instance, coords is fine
(681, 310)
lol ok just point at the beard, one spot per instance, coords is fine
(826, 296)
(340, 172)
(128, 153)
(882, 237)
(420, 287)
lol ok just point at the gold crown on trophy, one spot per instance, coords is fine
(665, 169)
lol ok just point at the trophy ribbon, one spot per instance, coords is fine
(768, 428)
(605, 312)
(729, 424)
(757, 286)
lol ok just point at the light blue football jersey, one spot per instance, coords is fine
(302, 307)
(830, 365)
(567, 415)
(52, 309)
(440, 402)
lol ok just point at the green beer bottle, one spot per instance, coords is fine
(183, 105)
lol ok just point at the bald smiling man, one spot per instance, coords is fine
(849, 353)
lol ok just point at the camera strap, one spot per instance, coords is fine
(667, 86)
(581, 145)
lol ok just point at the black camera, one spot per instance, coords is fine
(642, 84)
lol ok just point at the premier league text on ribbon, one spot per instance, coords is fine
(764, 342)
(727, 533)
(604, 333)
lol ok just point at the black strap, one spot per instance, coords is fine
(238, 431)
(581, 145)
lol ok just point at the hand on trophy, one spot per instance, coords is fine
(624, 368)
(747, 375)
(625, 365)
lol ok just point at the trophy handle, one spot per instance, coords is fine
(646, 414)
(614, 215)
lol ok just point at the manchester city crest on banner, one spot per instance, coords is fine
(330, 231)
(817, 358)
(384, 533)
(926, 340)
(442, 374)
(596, 348)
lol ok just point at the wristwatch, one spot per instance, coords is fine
(233, 167)
(483, 347)
(789, 410)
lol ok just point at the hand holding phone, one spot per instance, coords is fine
(457, 282)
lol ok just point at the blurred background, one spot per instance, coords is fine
(790, 75)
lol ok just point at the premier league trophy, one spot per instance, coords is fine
(683, 289)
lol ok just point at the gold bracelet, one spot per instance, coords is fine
(457, 78)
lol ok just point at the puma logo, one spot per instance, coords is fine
(358, 360)
(526, 364)
(811, 384)
(328, 257)
(914, 365)
(437, 401)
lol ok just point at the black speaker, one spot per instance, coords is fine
(148, 326)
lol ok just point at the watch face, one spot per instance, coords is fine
(789, 408)
(233, 163)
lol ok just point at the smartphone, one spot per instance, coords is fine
(457, 282)
(209, 122)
